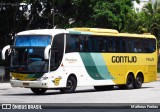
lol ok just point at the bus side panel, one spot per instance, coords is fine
(150, 67)
(115, 68)
(108, 68)
(120, 65)
(151, 73)
(89, 68)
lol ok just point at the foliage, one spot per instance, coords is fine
(152, 13)
(148, 20)
(112, 13)
(19, 15)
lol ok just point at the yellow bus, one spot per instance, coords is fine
(64, 59)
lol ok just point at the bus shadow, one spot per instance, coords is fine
(76, 92)
(4, 89)
(31, 94)
(50, 93)
(115, 89)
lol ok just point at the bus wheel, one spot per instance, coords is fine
(130, 82)
(71, 85)
(103, 88)
(38, 91)
(138, 82)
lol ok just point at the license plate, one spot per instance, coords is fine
(25, 84)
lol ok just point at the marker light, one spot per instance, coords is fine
(42, 78)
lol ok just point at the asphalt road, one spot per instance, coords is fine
(149, 93)
(86, 97)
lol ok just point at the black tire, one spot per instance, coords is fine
(103, 88)
(71, 85)
(130, 82)
(38, 91)
(138, 82)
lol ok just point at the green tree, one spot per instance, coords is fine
(152, 15)
(111, 13)
(154, 26)
(135, 22)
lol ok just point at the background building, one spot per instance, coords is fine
(139, 7)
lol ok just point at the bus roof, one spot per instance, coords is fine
(42, 32)
(87, 31)
(95, 30)
(108, 32)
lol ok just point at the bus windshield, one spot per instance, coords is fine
(28, 54)
(28, 60)
(33, 40)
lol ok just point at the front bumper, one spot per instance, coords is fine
(33, 84)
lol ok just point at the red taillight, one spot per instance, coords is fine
(21, 69)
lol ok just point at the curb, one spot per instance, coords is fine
(4, 86)
(158, 79)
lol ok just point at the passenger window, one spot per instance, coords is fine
(152, 45)
(117, 45)
(71, 43)
(90, 44)
(130, 44)
(124, 45)
(110, 45)
(137, 45)
(145, 45)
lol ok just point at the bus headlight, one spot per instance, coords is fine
(13, 78)
(42, 78)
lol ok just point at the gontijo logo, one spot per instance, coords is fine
(124, 59)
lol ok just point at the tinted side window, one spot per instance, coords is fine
(110, 45)
(129, 44)
(72, 43)
(124, 45)
(78, 43)
(57, 51)
(145, 45)
(152, 45)
(117, 45)
(137, 45)
(86, 43)
(96, 43)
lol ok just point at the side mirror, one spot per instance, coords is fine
(4, 51)
(46, 52)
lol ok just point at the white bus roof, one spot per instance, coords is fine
(88, 31)
(43, 32)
